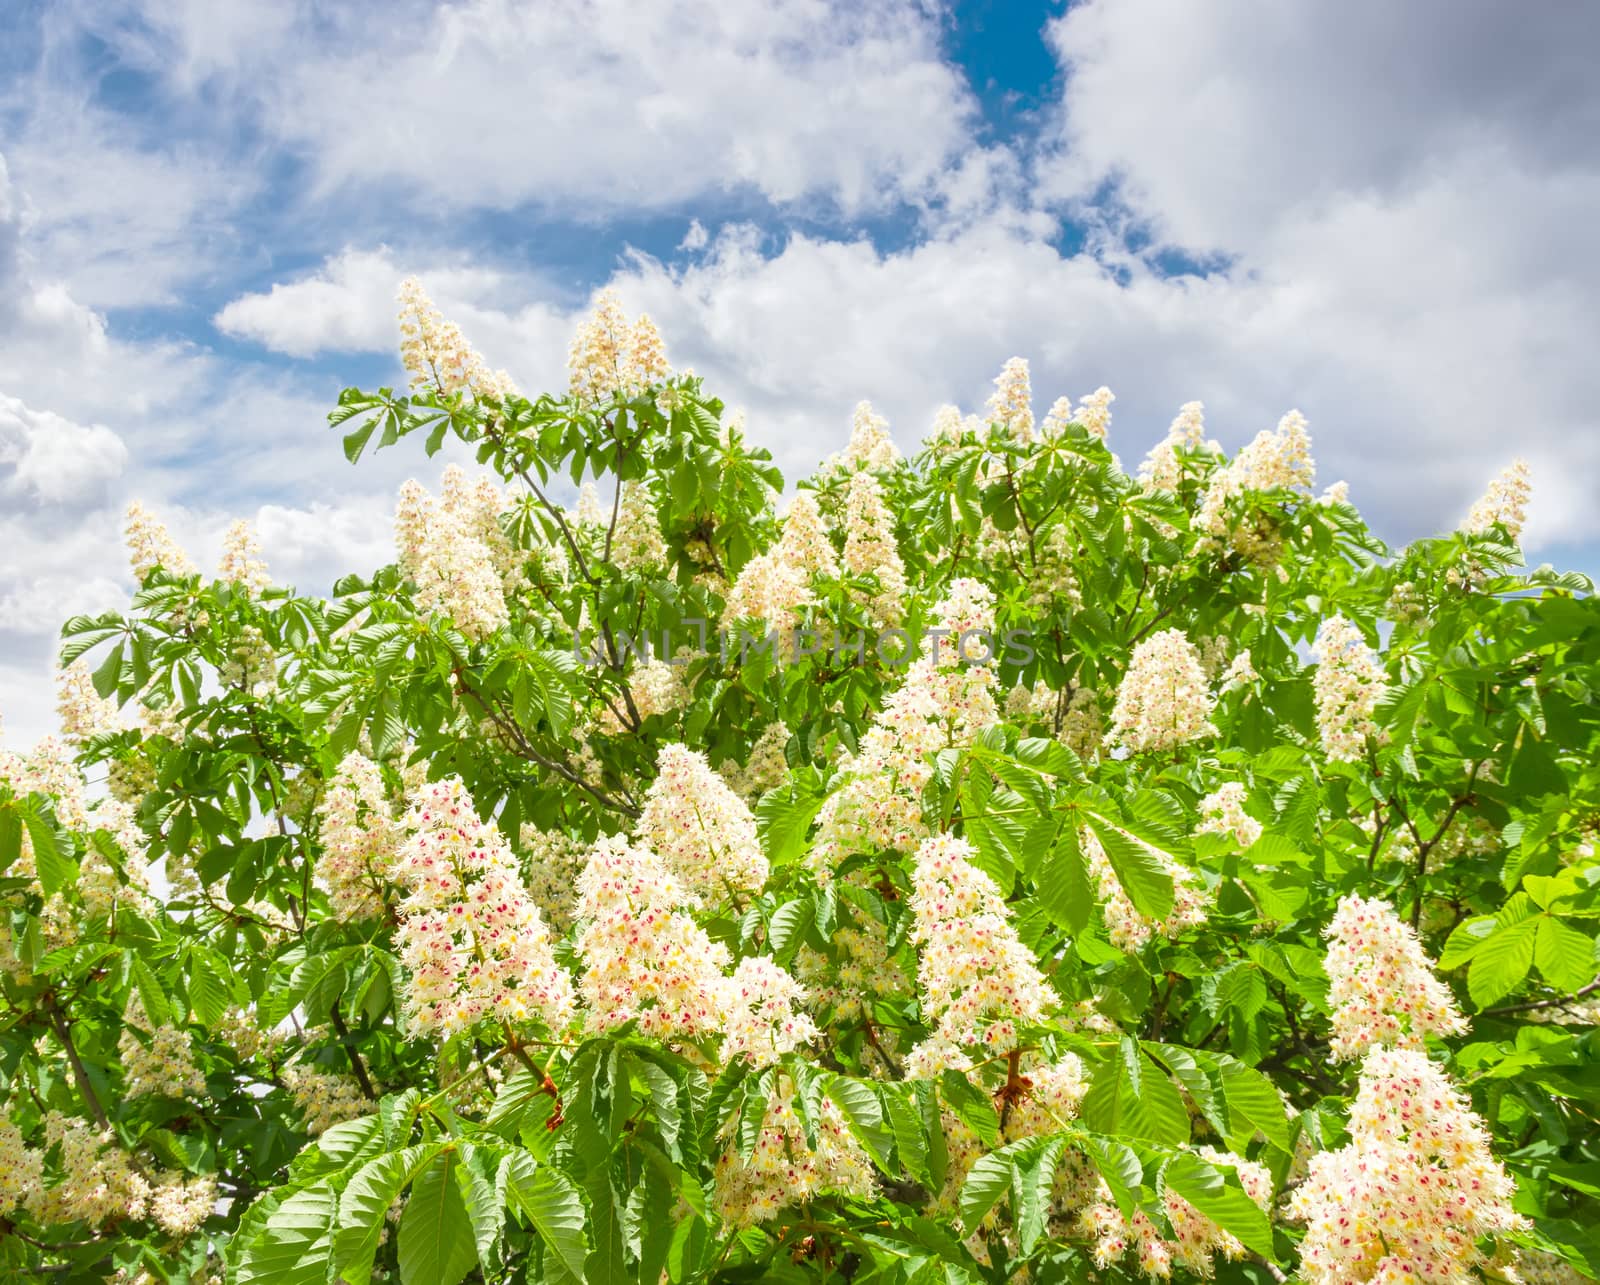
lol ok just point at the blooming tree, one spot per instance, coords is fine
(987, 865)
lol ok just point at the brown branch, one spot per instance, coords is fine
(80, 1074)
(343, 1032)
(1559, 1002)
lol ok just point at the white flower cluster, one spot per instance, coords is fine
(1011, 403)
(1125, 926)
(360, 835)
(1348, 685)
(1163, 701)
(977, 982)
(1414, 1191)
(82, 711)
(870, 548)
(943, 702)
(1273, 460)
(456, 553)
(554, 862)
(1222, 812)
(611, 356)
(324, 1098)
(647, 961)
(437, 355)
(1381, 984)
(1196, 1239)
(241, 563)
(784, 1170)
(766, 766)
(472, 939)
(637, 544)
(870, 446)
(164, 1066)
(1162, 469)
(1505, 503)
(150, 546)
(701, 828)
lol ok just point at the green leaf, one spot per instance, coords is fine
(1119, 1166)
(1501, 962)
(864, 1114)
(1565, 956)
(972, 1106)
(364, 1207)
(1033, 1175)
(1139, 868)
(987, 1180)
(551, 1204)
(437, 1245)
(1131, 1097)
(1063, 883)
(294, 1245)
(1216, 1192)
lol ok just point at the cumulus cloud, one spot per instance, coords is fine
(55, 460)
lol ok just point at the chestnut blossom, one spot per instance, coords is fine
(637, 544)
(645, 958)
(766, 766)
(180, 1203)
(1347, 685)
(437, 355)
(870, 548)
(943, 702)
(360, 836)
(1126, 927)
(1273, 460)
(83, 713)
(1162, 470)
(1505, 503)
(98, 1182)
(772, 590)
(977, 982)
(803, 542)
(611, 356)
(451, 552)
(870, 446)
(1011, 403)
(1415, 1189)
(1196, 1240)
(554, 862)
(783, 1169)
(472, 940)
(150, 546)
(324, 1098)
(1163, 701)
(241, 563)
(1094, 412)
(164, 1066)
(764, 1013)
(21, 1169)
(1222, 812)
(700, 828)
(1381, 986)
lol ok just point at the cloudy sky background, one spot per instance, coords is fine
(1380, 214)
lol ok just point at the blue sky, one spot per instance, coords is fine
(1377, 214)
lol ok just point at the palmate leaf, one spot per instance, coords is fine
(364, 1206)
(1139, 867)
(552, 1205)
(1132, 1097)
(438, 1244)
(294, 1246)
(1216, 1192)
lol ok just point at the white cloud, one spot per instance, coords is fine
(602, 104)
(54, 459)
